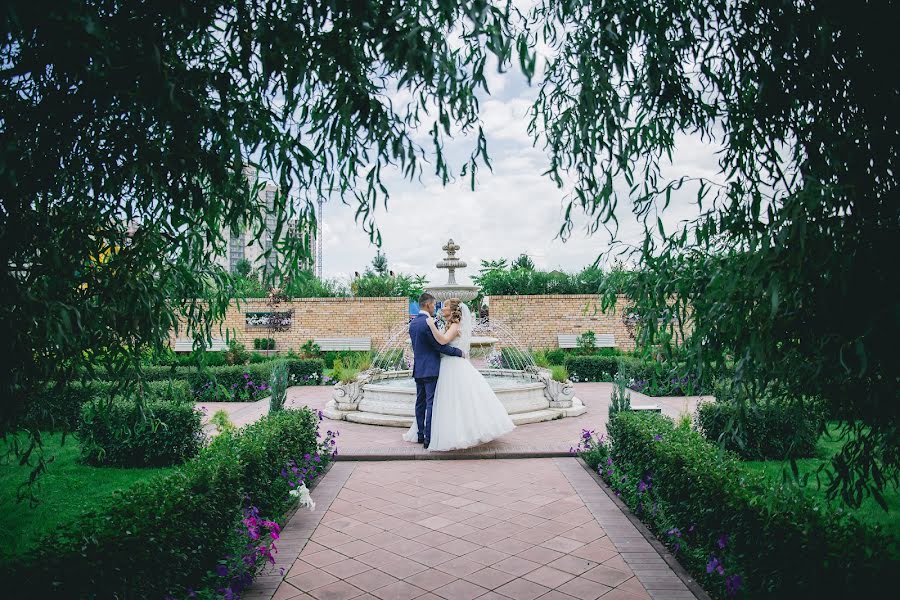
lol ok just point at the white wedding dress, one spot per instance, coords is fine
(466, 412)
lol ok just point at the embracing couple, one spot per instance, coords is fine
(455, 406)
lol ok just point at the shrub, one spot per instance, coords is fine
(56, 408)
(170, 533)
(769, 429)
(157, 433)
(236, 354)
(263, 343)
(735, 529)
(514, 358)
(591, 368)
(344, 355)
(391, 360)
(278, 381)
(307, 371)
(310, 349)
(587, 343)
(555, 356)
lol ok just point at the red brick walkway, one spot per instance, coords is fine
(466, 529)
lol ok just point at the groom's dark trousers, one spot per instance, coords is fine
(424, 403)
(426, 368)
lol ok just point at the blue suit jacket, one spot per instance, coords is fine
(427, 350)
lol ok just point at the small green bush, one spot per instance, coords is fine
(620, 400)
(169, 533)
(559, 373)
(555, 356)
(263, 343)
(345, 356)
(122, 433)
(58, 408)
(713, 512)
(768, 429)
(221, 422)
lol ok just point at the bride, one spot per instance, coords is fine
(466, 411)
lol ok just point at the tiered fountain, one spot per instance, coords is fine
(386, 393)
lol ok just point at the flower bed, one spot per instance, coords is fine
(738, 533)
(208, 525)
(645, 377)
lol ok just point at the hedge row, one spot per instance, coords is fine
(647, 377)
(738, 533)
(238, 382)
(770, 429)
(183, 530)
(55, 408)
(156, 433)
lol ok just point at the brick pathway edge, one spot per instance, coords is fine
(660, 548)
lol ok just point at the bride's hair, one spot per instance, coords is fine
(455, 311)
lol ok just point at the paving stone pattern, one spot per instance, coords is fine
(465, 529)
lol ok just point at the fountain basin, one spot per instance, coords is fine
(389, 398)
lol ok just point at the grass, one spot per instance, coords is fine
(67, 490)
(829, 444)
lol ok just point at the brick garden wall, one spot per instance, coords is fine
(536, 320)
(374, 318)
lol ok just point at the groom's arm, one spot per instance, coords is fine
(442, 348)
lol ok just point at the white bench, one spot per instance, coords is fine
(187, 345)
(334, 344)
(570, 340)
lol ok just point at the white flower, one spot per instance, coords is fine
(302, 493)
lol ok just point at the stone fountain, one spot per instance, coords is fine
(385, 394)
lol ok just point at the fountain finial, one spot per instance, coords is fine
(452, 289)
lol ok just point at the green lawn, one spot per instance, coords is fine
(65, 491)
(869, 512)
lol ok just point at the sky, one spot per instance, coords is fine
(513, 210)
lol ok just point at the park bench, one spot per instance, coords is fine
(335, 344)
(187, 345)
(570, 340)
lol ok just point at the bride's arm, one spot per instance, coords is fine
(443, 337)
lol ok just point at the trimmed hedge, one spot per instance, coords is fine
(229, 384)
(120, 433)
(58, 408)
(647, 377)
(770, 429)
(173, 532)
(592, 368)
(733, 528)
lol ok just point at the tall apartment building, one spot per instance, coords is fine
(241, 244)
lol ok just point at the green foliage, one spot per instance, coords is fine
(123, 433)
(782, 544)
(221, 421)
(620, 399)
(310, 349)
(374, 285)
(555, 356)
(236, 354)
(514, 358)
(263, 344)
(770, 428)
(496, 278)
(166, 534)
(65, 491)
(541, 359)
(303, 284)
(392, 359)
(587, 343)
(592, 368)
(788, 265)
(380, 264)
(523, 262)
(243, 268)
(559, 373)
(346, 356)
(278, 383)
(58, 408)
(346, 369)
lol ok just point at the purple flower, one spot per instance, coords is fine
(609, 460)
(221, 570)
(674, 532)
(732, 584)
(713, 564)
(723, 541)
(676, 547)
(657, 438)
(642, 487)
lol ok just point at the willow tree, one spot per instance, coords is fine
(129, 128)
(787, 271)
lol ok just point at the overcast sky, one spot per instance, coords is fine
(514, 209)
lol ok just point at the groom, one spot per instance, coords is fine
(427, 364)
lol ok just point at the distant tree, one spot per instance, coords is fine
(380, 263)
(243, 267)
(523, 262)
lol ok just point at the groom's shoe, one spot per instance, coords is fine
(426, 442)
(421, 440)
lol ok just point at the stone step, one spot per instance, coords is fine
(370, 418)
